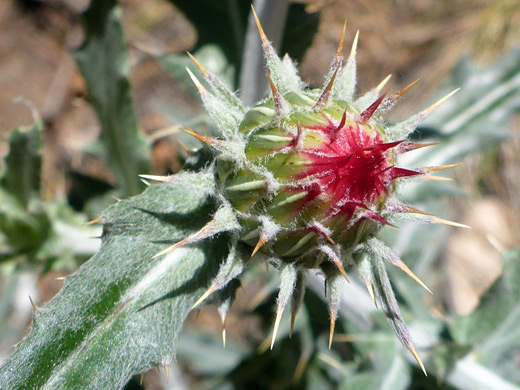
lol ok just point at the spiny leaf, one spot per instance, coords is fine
(389, 305)
(120, 313)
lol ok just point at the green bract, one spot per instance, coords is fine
(305, 180)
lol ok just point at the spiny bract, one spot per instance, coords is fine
(305, 180)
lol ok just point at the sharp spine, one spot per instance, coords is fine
(279, 313)
(164, 179)
(200, 235)
(202, 69)
(370, 289)
(259, 244)
(400, 264)
(382, 84)
(354, 46)
(440, 167)
(331, 332)
(263, 37)
(339, 52)
(197, 83)
(435, 105)
(94, 221)
(204, 296)
(324, 97)
(167, 372)
(224, 335)
(441, 221)
(35, 308)
(209, 141)
(418, 359)
(371, 110)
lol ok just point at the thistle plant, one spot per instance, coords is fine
(305, 180)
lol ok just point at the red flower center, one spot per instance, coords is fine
(353, 166)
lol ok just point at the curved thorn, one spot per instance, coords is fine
(326, 92)
(354, 46)
(409, 272)
(202, 69)
(418, 359)
(382, 84)
(432, 108)
(204, 296)
(261, 241)
(279, 313)
(448, 223)
(263, 38)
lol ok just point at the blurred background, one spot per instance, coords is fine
(471, 44)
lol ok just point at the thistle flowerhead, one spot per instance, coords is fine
(306, 179)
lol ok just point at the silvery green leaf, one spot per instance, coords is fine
(121, 312)
(492, 329)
